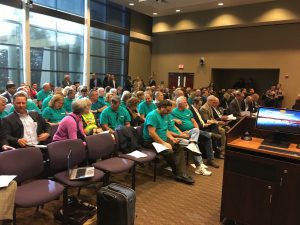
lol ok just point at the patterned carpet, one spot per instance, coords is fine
(164, 202)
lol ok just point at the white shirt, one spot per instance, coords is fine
(30, 127)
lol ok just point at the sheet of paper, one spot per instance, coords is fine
(159, 147)
(6, 179)
(231, 117)
(137, 154)
(245, 113)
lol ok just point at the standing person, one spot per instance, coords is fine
(33, 91)
(156, 130)
(66, 81)
(95, 82)
(152, 82)
(279, 93)
(24, 127)
(10, 91)
(43, 93)
(112, 81)
(128, 84)
(106, 80)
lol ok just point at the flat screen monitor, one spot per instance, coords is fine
(279, 122)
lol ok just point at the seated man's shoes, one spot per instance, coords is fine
(202, 170)
(212, 163)
(184, 179)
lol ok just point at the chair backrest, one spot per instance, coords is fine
(100, 146)
(58, 153)
(53, 131)
(26, 163)
(139, 130)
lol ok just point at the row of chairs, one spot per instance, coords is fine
(100, 151)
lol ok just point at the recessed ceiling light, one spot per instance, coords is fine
(220, 3)
(132, 4)
(154, 14)
(177, 10)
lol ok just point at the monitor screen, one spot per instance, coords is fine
(278, 120)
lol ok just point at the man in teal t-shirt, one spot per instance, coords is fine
(184, 118)
(156, 130)
(114, 116)
(43, 93)
(145, 107)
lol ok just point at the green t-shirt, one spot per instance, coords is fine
(68, 104)
(145, 109)
(97, 105)
(30, 106)
(102, 100)
(46, 101)
(158, 121)
(107, 103)
(41, 95)
(185, 116)
(54, 115)
(114, 118)
(3, 114)
(171, 124)
(123, 104)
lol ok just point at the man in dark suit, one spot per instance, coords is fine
(10, 91)
(235, 104)
(152, 82)
(22, 127)
(67, 81)
(95, 82)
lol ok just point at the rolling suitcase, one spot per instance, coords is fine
(115, 205)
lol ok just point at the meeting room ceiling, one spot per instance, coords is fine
(169, 7)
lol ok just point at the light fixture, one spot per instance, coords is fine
(154, 13)
(131, 4)
(177, 10)
(220, 3)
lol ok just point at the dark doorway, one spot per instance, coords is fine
(181, 80)
(260, 79)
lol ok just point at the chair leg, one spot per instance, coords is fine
(65, 207)
(133, 176)
(78, 192)
(154, 170)
(15, 216)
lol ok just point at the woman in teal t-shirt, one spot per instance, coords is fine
(55, 112)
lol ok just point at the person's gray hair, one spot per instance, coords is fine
(211, 98)
(113, 91)
(237, 93)
(115, 99)
(2, 98)
(78, 106)
(179, 100)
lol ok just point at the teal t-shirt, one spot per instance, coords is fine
(41, 95)
(102, 100)
(114, 118)
(31, 106)
(97, 105)
(46, 101)
(68, 104)
(123, 104)
(185, 116)
(158, 121)
(54, 115)
(107, 103)
(145, 109)
(171, 124)
(3, 114)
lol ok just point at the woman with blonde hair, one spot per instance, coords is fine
(89, 121)
(55, 111)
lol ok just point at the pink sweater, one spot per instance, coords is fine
(67, 128)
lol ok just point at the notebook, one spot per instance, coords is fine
(80, 172)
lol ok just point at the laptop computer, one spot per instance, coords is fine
(80, 172)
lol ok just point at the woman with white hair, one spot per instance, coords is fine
(71, 126)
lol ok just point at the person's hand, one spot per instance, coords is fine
(22, 142)
(221, 123)
(7, 147)
(179, 122)
(224, 117)
(206, 125)
(185, 135)
(168, 146)
(175, 140)
(43, 137)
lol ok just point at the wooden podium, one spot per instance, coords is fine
(260, 187)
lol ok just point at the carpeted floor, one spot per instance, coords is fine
(164, 202)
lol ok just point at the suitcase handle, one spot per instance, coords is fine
(108, 196)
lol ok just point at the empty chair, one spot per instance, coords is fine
(58, 156)
(102, 146)
(151, 154)
(27, 164)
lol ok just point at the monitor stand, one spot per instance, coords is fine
(276, 141)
